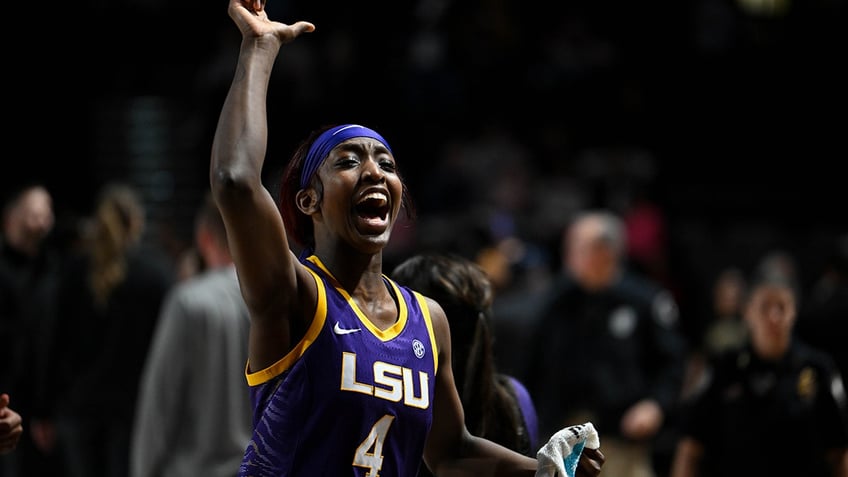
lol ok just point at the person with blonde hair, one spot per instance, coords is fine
(107, 306)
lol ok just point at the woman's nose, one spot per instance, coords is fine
(372, 170)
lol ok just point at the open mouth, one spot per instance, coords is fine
(374, 207)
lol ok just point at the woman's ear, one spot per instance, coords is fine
(307, 200)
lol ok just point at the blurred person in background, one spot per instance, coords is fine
(725, 328)
(722, 327)
(189, 263)
(607, 349)
(497, 406)
(823, 315)
(194, 413)
(107, 304)
(29, 267)
(775, 407)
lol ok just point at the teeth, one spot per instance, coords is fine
(375, 196)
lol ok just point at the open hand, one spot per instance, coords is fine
(253, 21)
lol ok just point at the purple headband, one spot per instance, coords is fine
(321, 147)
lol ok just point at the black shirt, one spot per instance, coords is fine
(595, 354)
(757, 417)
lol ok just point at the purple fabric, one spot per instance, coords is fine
(528, 411)
(321, 147)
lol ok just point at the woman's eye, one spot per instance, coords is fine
(388, 166)
(347, 161)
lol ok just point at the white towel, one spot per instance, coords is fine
(558, 458)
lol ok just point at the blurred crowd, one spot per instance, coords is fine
(524, 119)
(600, 312)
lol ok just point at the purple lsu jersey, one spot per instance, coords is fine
(349, 399)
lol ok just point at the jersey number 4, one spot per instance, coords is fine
(369, 454)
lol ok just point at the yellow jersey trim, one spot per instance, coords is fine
(383, 335)
(425, 310)
(286, 362)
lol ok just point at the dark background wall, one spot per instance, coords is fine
(738, 106)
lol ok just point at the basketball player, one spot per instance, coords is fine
(348, 371)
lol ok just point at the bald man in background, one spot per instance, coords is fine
(607, 347)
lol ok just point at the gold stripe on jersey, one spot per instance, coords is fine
(383, 335)
(425, 310)
(286, 362)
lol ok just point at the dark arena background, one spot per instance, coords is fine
(726, 119)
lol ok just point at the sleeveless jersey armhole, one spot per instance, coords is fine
(286, 362)
(425, 310)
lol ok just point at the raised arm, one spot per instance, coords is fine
(273, 283)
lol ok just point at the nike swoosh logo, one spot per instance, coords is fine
(344, 331)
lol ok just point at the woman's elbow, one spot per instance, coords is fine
(228, 183)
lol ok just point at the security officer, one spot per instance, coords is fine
(776, 407)
(607, 347)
